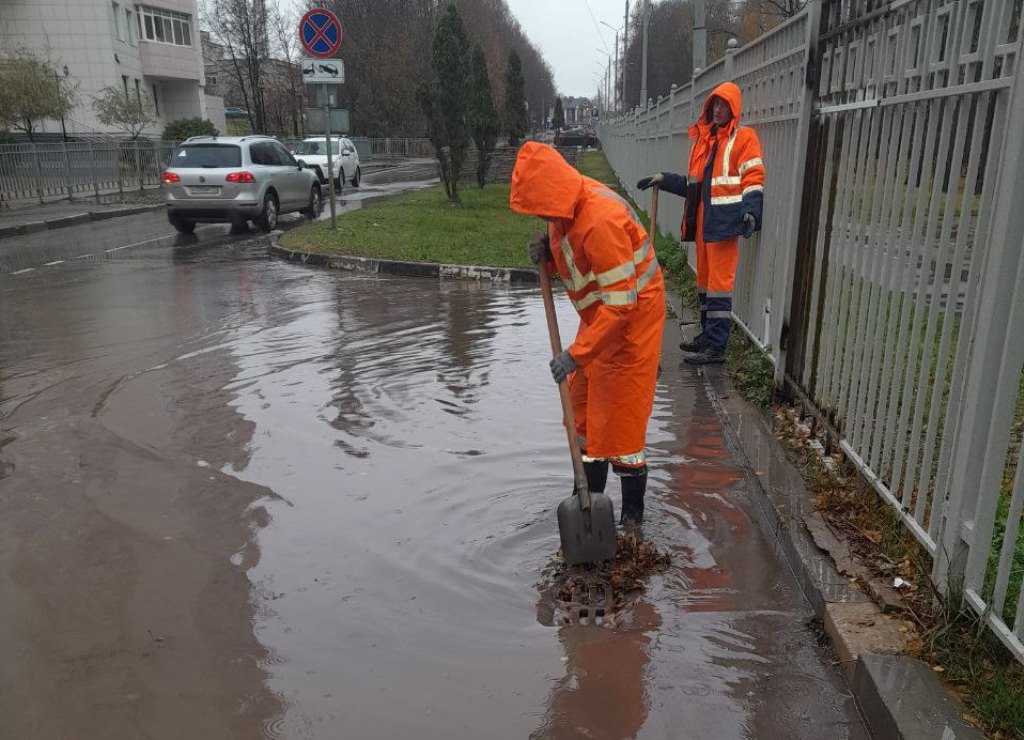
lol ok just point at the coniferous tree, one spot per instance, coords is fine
(558, 121)
(446, 101)
(483, 115)
(516, 121)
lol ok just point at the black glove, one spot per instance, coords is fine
(539, 248)
(562, 365)
(651, 181)
(749, 224)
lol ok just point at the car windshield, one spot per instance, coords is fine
(318, 147)
(208, 155)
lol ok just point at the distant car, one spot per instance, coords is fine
(344, 159)
(237, 179)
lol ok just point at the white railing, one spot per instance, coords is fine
(888, 281)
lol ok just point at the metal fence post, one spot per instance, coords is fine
(39, 173)
(782, 287)
(67, 170)
(993, 375)
(120, 168)
(92, 169)
(137, 156)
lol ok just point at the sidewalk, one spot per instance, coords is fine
(30, 218)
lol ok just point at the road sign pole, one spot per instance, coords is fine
(330, 160)
(320, 35)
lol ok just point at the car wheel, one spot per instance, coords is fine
(268, 216)
(316, 204)
(358, 178)
(183, 225)
(339, 184)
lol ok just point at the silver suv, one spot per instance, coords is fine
(237, 179)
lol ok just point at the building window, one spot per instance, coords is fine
(138, 90)
(211, 81)
(128, 26)
(165, 26)
(156, 102)
(118, 30)
(124, 81)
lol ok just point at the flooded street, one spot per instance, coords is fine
(248, 499)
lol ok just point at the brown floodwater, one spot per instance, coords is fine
(247, 499)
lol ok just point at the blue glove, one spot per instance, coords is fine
(539, 248)
(562, 365)
(749, 225)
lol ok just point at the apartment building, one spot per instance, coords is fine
(100, 43)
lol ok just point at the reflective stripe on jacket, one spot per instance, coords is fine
(610, 272)
(599, 246)
(736, 183)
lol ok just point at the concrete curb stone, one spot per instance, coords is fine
(511, 275)
(32, 227)
(900, 697)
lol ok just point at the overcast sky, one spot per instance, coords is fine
(565, 32)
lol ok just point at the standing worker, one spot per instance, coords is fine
(724, 194)
(606, 261)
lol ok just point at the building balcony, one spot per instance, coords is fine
(167, 61)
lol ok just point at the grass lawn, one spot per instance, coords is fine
(594, 164)
(424, 227)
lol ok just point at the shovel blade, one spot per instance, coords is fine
(587, 536)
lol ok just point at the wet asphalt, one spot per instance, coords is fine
(241, 498)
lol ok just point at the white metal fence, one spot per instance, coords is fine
(888, 281)
(46, 171)
(71, 169)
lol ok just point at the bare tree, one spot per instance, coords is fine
(31, 91)
(287, 90)
(241, 27)
(130, 112)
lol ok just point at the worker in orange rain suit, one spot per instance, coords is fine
(724, 195)
(606, 261)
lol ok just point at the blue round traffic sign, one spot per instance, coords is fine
(320, 33)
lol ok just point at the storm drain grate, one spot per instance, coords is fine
(590, 605)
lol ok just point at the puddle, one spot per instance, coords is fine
(359, 553)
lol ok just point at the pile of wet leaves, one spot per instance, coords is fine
(600, 593)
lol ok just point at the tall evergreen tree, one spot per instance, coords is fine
(447, 102)
(516, 121)
(483, 115)
(559, 118)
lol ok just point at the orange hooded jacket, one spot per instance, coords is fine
(611, 274)
(737, 176)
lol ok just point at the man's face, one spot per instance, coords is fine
(720, 113)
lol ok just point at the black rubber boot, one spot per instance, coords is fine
(707, 356)
(634, 486)
(597, 475)
(698, 343)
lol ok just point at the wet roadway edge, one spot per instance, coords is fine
(899, 697)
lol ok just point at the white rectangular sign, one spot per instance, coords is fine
(320, 71)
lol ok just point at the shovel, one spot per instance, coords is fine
(586, 521)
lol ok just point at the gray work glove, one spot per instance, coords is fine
(749, 224)
(539, 248)
(651, 181)
(562, 365)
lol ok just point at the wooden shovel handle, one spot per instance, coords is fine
(568, 416)
(653, 225)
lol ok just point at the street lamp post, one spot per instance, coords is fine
(643, 53)
(56, 82)
(620, 60)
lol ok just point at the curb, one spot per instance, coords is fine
(32, 227)
(510, 275)
(899, 697)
